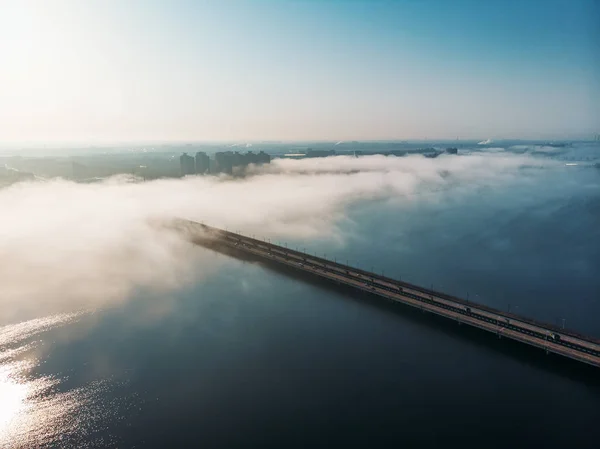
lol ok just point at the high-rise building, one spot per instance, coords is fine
(224, 161)
(213, 167)
(202, 163)
(237, 160)
(187, 164)
(251, 158)
(263, 158)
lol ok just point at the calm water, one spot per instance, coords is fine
(252, 357)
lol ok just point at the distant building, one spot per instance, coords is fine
(224, 161)
(319, 153)
(251, 158)
(237, 160)
(263, 158)
(397, 153)
(213, 167)
(188, 166)
(202, 163)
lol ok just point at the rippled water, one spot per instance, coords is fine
(39, 410)
(256, 358)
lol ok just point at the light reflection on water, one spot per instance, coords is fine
(13, 396)
(14, 334)
(34, 412)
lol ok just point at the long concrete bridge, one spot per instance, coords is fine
(547, 337)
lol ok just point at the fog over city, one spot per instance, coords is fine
(75, 245)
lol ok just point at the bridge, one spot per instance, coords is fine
(546, 337)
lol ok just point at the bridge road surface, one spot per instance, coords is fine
(544, 336)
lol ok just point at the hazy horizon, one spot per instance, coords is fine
(178, 144)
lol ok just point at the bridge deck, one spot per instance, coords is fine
(544, 336)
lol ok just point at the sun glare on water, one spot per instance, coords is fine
(33, 412)
(12, 401)
(24, 416)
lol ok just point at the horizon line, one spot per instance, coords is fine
(107, 143)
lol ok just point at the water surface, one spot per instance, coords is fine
(252, 357)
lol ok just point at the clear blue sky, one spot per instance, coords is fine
(298, 70)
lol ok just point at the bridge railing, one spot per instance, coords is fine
(216, 232)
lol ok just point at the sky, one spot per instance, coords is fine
(241, 70)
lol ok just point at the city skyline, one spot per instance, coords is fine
(227, 162)
(241, 71)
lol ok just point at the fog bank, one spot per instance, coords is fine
(66, 246)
